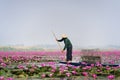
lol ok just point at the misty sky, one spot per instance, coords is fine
(86, 22)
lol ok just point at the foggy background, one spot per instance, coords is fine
(86, 22)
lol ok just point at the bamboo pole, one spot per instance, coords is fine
(57, 41)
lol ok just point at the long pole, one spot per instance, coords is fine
(57, 41)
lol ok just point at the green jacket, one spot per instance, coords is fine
(67, 43)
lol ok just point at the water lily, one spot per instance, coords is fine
(51, 74)
(84, 68)
(50, 68)
(2, 78)
(88, 67)
(108, 68)
(94, 76)
(3, 64)
(98, 64)
(51, 63)
(43, 65)
(20, 66)
(53, 70)
(74, 72)
(111, 77)
(84, 63)
(85, 73)
(1, 60)
(43, 75)
(61, 71)
(10, 78)
(68, 74)
(92, 65)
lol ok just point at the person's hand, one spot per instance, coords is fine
(56, 39)
(62, 51)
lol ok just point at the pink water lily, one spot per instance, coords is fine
(92, 65)
(68, 74)
(84, 68)
(88, 67)
(98, 64)
(50, 68)
(10, 78)
(43, 65)
(51, 63)
(61, 71)
(111, 77)
(1, 60)
(3, 64)
(83, 63)
(53, 70)
(20, 66)
(51, 74)
(74, 72)
(43, 75)
(2, 78)
(85, 73)
(94, 76)
(108, 68)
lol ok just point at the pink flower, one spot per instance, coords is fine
(43, 65)
(10, 78)
(75, 67)
(111, 77)
(66, 68)
(53, 66)
(61, 71)
(98, 70)
(84, 68)
(74, 72)
(108, 68)
(50, 75)
(98, 64)
(92, 65)
(3, 64)
(20, 66)
(1, 60)
(53, 70)
(1, 77)
(62, 57)
(34, 66)
(83, 63)
(43, 76)
(88, 67)
(111, 62)
(94, 76)
(84, 73)
(68, 74)
(51, 63)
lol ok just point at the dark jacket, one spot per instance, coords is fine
(67, 43)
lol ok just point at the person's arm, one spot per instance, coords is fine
(66, 44)
(65, 47)
(60, 40)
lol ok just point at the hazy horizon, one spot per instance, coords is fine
(86, 22)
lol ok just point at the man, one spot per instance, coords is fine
(68, 47)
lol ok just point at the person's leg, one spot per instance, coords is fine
(69, 54)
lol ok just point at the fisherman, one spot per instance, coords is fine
(67, 47)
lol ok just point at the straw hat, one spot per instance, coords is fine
(64, 36)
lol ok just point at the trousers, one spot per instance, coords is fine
(69, 54)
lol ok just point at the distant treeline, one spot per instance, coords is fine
(16, 49)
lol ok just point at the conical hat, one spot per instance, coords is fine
(64, 36)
